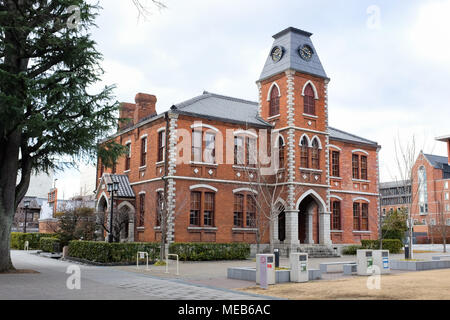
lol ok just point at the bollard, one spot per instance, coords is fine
(407, 257)
(276, 252)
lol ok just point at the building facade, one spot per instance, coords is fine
(198, 157)
(427, 196)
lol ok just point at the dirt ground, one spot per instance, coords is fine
(425, 285)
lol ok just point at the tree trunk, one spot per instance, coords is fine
(8, 203)
(5, 234)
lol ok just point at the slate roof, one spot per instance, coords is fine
(291, 39)
(441, 163)
(337, 134)
(215, 106)
(437, 161)
(125, 190)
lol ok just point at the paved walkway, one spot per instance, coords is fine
(104, 283)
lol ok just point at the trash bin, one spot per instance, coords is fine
(276, 252)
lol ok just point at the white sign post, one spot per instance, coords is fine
(263, 272)
(141, 255)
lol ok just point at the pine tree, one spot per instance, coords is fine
(48, 63)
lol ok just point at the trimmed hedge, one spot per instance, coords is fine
(18, 240)
(210, 251)
(393, 245)
(351, 250)
(52, 245)
(103, 252)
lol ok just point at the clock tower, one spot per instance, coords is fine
(293, 97)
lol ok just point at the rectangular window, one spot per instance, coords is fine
(335, 168)
(250, 151)
(161, 145)
(197, 137)
(208, 213)
(336, 216)
(194, 219)
(238, 210)
(355, 166)
(238, 151)
(210, 148)
(141, 209)
(143, 152)
(364, 175)
(356, 216)
(128, 157)
(159, 207)
(251, 212)
(365, 217)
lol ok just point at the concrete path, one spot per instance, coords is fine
(104, 283)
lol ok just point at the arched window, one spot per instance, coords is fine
(304, 153)
(274, 109)
(281, 152)
(315, 156)
(423, 191)
(309, 100)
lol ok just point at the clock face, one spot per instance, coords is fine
(277, 54)
(305, 52)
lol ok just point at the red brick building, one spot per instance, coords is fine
(202, 149)
(428, 197)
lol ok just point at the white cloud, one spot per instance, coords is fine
(430, 33)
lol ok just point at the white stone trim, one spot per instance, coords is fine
(336, 197)
(142, 192)
(315, 195)
(159, 190)
(301, 129)
(161, 129)
(334, 147)
(203, 186)
(360, 151)
(103, 195)
(144, 136)
(307, 138)
(203, 125)
(316, 96)
(245, 132)
(355, 192)
(244, 190)
(274, 84)
(316, 138)
(361, 199)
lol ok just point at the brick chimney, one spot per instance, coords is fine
(145, 107)
(127, 114)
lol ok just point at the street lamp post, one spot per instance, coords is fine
(27, 204)
(112, 188)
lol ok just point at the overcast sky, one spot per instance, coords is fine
(389, 76)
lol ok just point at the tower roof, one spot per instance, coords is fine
(291, 40)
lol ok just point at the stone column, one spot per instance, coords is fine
(310, 226)
(324, 227)
(292, 228)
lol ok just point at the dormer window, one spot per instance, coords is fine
(309, 100)
(274, 108)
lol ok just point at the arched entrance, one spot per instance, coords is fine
(125, 221)
(102, 210)
(313, 219)
(308, 221)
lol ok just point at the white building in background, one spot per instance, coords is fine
(40, 185)
(87, 180)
